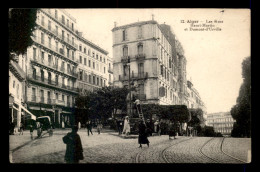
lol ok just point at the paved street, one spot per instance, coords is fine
(108, 147)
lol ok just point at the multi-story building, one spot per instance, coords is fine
(155, 64)
(110, 71)
(194, 100)
(222, 122)
(93, 65)
(51, 66)
(17, 77)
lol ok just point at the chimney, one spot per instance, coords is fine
(114, 24)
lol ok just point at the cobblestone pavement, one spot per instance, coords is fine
(108, 147)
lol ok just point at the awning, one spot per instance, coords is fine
(30, 114)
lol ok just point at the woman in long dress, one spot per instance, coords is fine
(142, 139)
(126, 129)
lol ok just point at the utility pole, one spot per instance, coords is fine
(129, 87)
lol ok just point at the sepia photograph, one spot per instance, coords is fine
(129, 86)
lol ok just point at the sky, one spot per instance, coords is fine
(213, 57)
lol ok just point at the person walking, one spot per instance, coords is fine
(157, 127)
(126, 129)
(142, 138)
(99, 126)
(74, 150)
(39, 129)
(31, 130)
(171, 130)
(89, 127)
(21, 128)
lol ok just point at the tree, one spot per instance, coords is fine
(21, 24)
(241, 112)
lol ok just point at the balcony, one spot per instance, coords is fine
(53, 66)
(59, 19)
(140, 57)
(52, 83)
(54, 49)
(143, 75)
(125, 59)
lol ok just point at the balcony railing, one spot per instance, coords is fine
(50, 82)
(125, 59)
(53, 48)
(59, 35)
(59, 19)
(143, 75)
(54, 66)
(140, 57)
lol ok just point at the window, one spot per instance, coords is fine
(85, 50)
(93, 55)
(80, 48)
(72, 26)
(124, 35)
(85, 61)
(140, 32)
(49, 24)
(63, 81)
(101, 58)
(56, 79)
(68, 52)
(43, 20)
(81, 75)
(94, 80)
(89, 52)
(49, 42)
(42, 75)
(57, 96)
(89, 63)
(93, 65)
(62, 97)
(104, 60)
(89, 78)
(68, 23)
(17, 91)
(97, 80)
(68, 68)
(56, 14)
(34, 73)
(34, 53)
(68, 38)
(97, 56)
(125, 70)
(101, 82)
(104, 69)
(33, 94)
(63, 19)
(80, 59)
(49, 59)
(140, 69)
(42, 38)
(42, 56)
(162, 70)
(140, 49)
(125, 51)
(63, 35)
(72, 54)
(49, 77)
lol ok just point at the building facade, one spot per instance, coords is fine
(222, 122)
(93, 65)
(147, 50)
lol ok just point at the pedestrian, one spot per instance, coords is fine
(74, 150)
(126, 129)
(157, 127)
(99, 126)
(39, 129)
(89, 127)
(171, 130)
(31, 130)
(21, 128)
(12, 127)
(149, 129)
(142, 138)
